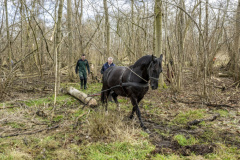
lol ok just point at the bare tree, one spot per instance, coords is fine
(58, 51)
(158, 32)
(8, 37)
(70, 40)
(236, 43)
(107, 28)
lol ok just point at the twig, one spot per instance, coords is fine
(197, 121)
(29, 133)
(175, 100)
(80, 116)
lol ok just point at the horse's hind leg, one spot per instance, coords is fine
(106, 101)
(114, 95)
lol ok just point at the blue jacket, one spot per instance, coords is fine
(106, 66)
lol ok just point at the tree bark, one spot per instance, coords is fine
(206, 51)
(8, 37)
(70, 37)
(107, 29)
(158, 33)
(58, 40)
(236, 44)
(82, 96)
(181, 47)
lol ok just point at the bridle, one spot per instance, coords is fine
(148, 69)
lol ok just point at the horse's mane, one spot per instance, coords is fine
(143, 61)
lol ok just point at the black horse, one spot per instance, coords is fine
(132, 81)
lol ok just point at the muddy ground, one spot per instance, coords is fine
(183, 124)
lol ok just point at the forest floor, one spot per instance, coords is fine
(182, 125)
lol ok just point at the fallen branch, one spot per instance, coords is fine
(175, 100)
(8, 107)
(197, 121)
(29, 133)
(80, 116)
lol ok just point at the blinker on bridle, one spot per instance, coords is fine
(150, 77)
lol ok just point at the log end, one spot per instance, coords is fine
(92, 102)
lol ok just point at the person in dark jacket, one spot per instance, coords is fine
(81, 66)
(108, 64)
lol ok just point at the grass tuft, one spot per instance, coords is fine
(184, 117)
(183, 141)
(118, 150)
(113, 127)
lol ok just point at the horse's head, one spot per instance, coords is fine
(154, 70)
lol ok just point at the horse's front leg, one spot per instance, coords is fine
(132, 114)
(136, 108)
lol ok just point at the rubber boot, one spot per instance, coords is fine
(81, 83)
(85, 83)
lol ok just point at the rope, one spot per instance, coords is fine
(103, 90)
(136, 74)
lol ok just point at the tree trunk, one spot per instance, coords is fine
(80, 28)
(199, 55)
(158, 33)
(58, 40)
(236, 44)
(131, 45)
(8, 38)
(70, 37)
(181, 45)
(82, 96)
(107, 29)
(205, 51)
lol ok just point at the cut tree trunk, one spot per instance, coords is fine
(82, 96)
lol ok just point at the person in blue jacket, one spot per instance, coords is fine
(108, 64)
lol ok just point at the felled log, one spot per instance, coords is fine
(82, 96)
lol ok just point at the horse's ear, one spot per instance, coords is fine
(161, 57)
(153, 58)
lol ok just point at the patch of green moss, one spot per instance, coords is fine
(184, 117)
(223, 113)
(183, 141)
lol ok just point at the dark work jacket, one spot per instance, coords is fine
(106, 66)
(81, 66)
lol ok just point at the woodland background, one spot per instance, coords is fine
(41, 41)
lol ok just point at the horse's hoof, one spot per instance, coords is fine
(106, 112)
